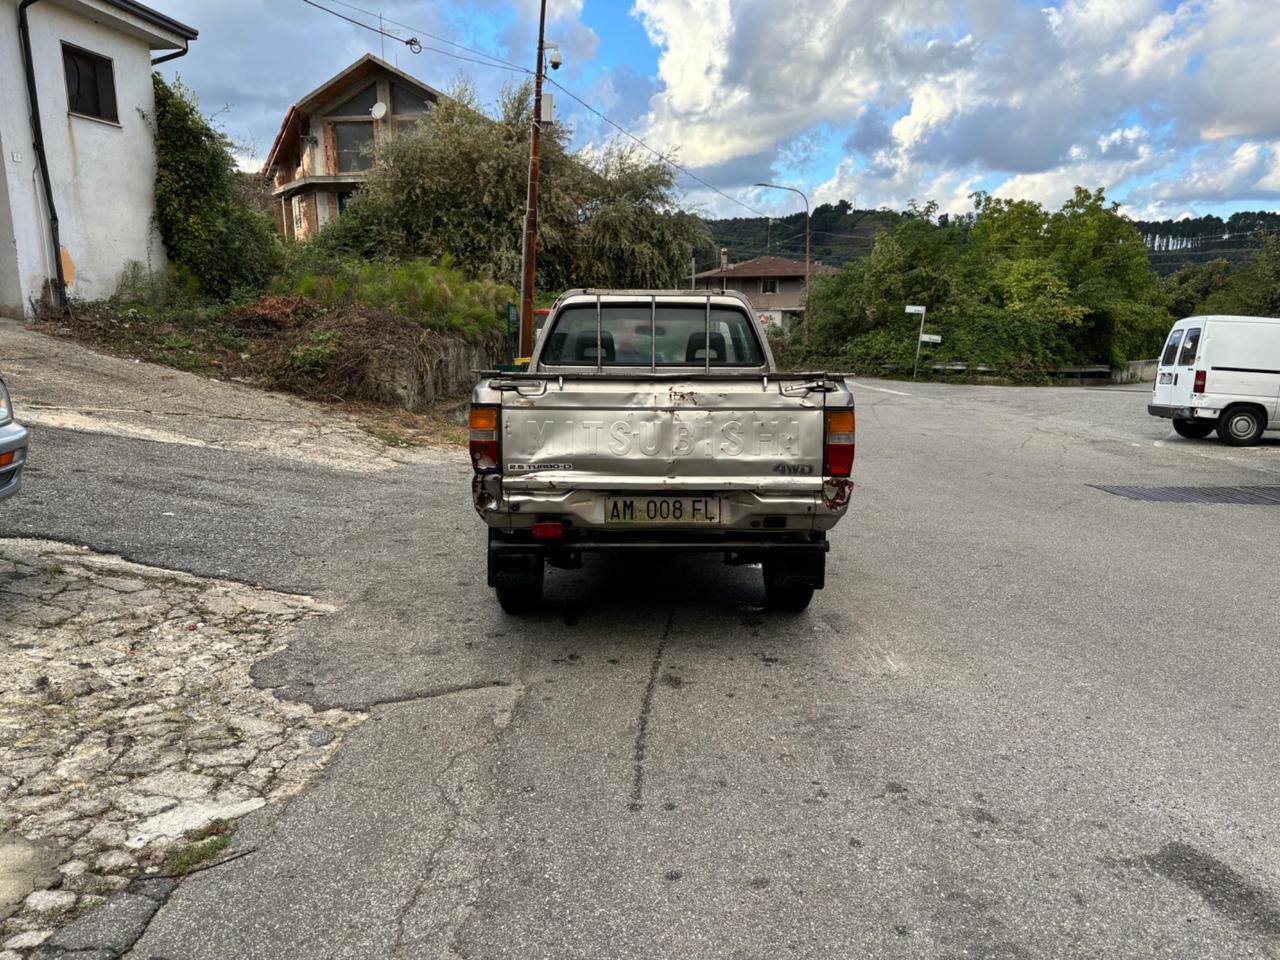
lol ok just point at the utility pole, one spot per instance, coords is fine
(775, 186)
(529, 260)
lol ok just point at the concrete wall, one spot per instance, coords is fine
(11, 297)
(103, 173)
(1136, 371)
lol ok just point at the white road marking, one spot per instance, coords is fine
(864, 386)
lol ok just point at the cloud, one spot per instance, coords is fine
(1166, 103)
(936, 96)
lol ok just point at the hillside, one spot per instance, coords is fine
(841, 234)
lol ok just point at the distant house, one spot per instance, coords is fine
(78, 187)
(324, 148)
(774, 285)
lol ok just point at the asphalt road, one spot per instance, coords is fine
(1027, 718)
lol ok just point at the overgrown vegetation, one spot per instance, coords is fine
(454, 186)
(218, 243)
(346, 351)
(1011, 286)
(438, 296)
(1220, 286)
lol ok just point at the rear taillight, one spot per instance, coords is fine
(838, 459)
(1199, 384)
(485, 450)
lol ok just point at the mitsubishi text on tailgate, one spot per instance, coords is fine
(657, 421)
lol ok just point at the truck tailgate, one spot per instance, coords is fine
(635, 433)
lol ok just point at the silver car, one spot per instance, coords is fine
(14, 438)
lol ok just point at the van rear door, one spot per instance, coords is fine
(1184, 368)
(1167, 372)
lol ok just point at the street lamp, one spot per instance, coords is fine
(777, 186)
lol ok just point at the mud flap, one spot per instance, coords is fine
(801, 568)
(515, 570)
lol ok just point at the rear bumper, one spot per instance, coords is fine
(1181, 413)
(14, 438)
(590, 541)
(743, 512)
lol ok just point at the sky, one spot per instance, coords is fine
(1170, 105)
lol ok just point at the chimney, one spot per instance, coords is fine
(724, 258)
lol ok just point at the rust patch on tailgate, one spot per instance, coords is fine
(836, 492)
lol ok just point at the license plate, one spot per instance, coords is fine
(662, 510)
(1166, 378)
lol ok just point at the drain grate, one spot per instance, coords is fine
(1252, 496)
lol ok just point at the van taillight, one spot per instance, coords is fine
(484, 445)
(1199, 385)
(838, 458)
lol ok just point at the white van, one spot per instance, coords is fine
(1221, 372)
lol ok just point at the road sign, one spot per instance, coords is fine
(930, 338)
(915, 309)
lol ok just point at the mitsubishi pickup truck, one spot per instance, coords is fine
(656, 420)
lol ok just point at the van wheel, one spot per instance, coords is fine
(782, 593)
(1241, 426)
(1193, 429)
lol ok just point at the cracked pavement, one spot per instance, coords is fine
(1025, 719)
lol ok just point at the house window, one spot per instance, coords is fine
(297, 213)
(91, 89)
(405, 102)
(343, 199)
(361, 103)
(768, 286)
(355, 146)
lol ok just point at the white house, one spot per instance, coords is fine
(83, 214)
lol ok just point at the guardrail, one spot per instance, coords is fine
(1130, 373)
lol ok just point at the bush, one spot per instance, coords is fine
(1011, 286)
(215, 240)
(310, 360)
(438, 296)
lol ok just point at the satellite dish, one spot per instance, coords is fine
(378, 111)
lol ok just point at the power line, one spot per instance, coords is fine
(413, 43)
(342, 16)
(498, 61)
(500, 64)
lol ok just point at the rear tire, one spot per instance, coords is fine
(1193, 429)
(520, 600)
(781, 594)
(517, 580)
(1241, 426)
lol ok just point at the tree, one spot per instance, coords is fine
(1194, 283)
(1251, 290)
(1011, 286)
(455, 185)
(209, 230)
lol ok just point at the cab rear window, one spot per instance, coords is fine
(1171, 349)
(639, 335)
(1189, 345)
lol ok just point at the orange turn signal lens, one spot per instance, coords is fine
(484, 418)
(6, 458)
(840, 421)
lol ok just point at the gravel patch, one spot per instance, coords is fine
(128, 720)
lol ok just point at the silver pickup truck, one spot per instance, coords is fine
(655, 420)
